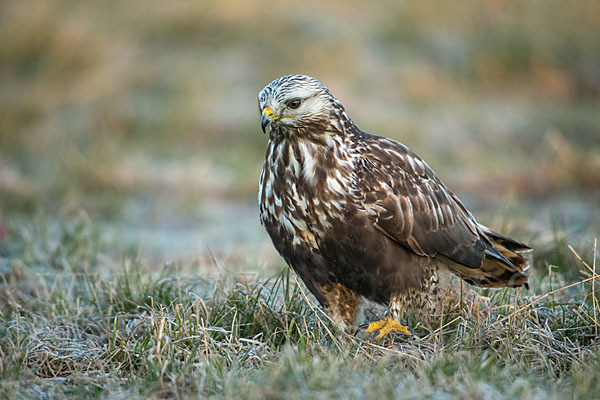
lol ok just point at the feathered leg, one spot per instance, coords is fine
(342, 304)
(421, 301)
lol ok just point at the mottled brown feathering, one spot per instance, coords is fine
(358, 215)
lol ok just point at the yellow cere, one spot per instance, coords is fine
(269, 114)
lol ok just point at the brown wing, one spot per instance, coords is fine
(408, 202)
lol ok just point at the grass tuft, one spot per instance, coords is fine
(140, 333)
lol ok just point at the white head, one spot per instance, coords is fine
(295, 101)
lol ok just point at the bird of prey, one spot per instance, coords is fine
(362, 216)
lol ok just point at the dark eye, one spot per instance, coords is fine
(293, 104)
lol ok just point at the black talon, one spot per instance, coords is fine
(363, 326)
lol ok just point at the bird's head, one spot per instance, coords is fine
(294, 101)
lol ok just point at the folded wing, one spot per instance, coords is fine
(407, 202)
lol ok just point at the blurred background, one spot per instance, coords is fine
(141, 116)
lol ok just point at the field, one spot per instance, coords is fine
(132, 261)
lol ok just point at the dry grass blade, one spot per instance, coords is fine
(561, 289)
(532, 303)
(168, 335)
(323, 324)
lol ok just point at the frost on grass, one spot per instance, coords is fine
(69, 327)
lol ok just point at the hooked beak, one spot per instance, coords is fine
(266, 119)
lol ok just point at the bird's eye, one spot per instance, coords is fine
(293, 104)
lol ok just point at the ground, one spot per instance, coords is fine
(133, 263)
(75, 323)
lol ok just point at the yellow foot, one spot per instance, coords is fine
(385, 326)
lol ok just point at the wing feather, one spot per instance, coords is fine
(408, 202)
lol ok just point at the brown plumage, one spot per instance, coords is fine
(358, 215)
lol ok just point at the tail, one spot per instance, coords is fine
(502, 266)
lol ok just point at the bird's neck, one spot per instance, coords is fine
(316, 161)
(300, 171)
